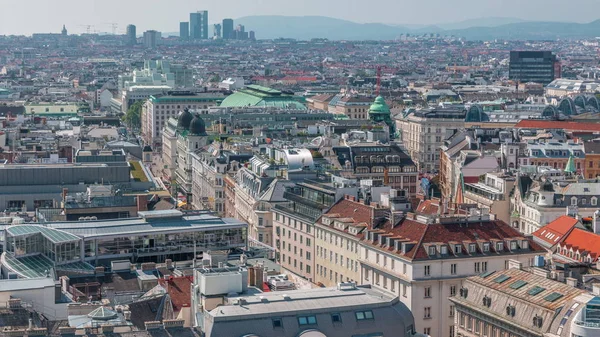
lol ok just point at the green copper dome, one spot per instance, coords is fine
(379, 106)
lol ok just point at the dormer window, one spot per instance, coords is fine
(444, 250)
(513, 245)
(432, 250)
(486, 247)
(524, 244)
(500, 246)
(472, 248)
(457, 249)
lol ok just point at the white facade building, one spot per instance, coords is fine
(423, 261)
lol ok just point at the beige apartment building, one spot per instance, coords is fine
(337, 237)
(423, 133)
(294, 222)
(424, 260)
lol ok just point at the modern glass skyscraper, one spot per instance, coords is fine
(184, 31)
(199, 25)
(227, 29)
(131, 35)
(532, 66)
(217, 30)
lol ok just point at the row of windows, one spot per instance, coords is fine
(350, 264)
(289, 249)
(479, 327)
(335, 318)
(281, 231)
(478, 267)
(337, 240)
(286, 220)
(297, 265)
(333, 276)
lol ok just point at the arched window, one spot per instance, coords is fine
(573, 201)
(594, 201)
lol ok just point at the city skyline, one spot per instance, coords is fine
(77, 16)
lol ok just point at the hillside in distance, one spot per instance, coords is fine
(308, 27)
(531, 31)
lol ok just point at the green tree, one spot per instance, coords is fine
(133, 117)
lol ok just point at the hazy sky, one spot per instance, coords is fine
(29, 16)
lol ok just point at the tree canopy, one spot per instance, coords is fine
(133, 117)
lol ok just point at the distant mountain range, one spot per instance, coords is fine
(308, 27)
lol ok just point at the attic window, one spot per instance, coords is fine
(502, 278)
(432, 250)
(444, 250)
(486, 247)
(553, 297)
(457, 249)
(472, 248)
(277, 323)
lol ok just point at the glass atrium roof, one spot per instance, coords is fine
(56, 236)
(37, 265)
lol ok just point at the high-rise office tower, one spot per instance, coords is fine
(227, 29)
(252, 35)
(532, 66)
(217, 30)
(240, 33)
(131, 35)
(151, 39)
(184, 31)
(199, 25)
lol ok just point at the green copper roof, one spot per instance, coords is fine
(254, 95)
(570, 168)
(379, 106)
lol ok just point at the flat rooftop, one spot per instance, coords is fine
(295, 301)
(88, 229)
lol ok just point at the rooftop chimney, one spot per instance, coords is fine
(514, 264)
(571, 282)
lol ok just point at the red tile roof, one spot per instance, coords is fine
(568, 126)
(179, 289)
(431, 206)
(357, 211)
(553, 232)
(423, 234)
(583, 241)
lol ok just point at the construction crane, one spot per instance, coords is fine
(114, 26)
(88, 28)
